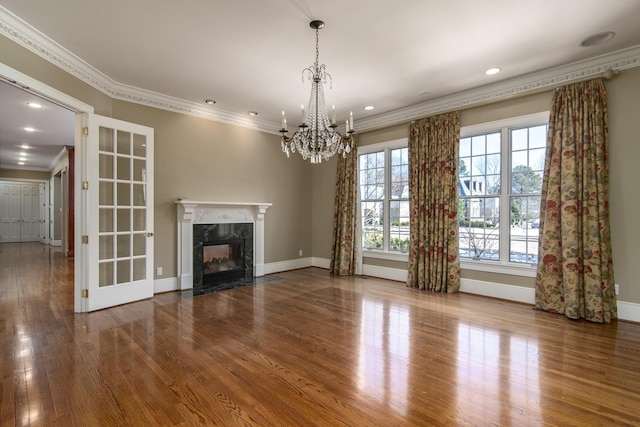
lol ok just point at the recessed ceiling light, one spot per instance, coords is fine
(22, 154)
(25, 146)
(369, 107)
(598, 39)
(28, 129)
(209, 101)
(34, 105)
(492, 71)
(253, 113)
(21, 163)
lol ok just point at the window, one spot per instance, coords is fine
(384, 196)
(501, 165)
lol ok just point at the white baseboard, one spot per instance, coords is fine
(321, 262)
(165, 285)
(293, 264)
(396, 274)
(56, 243)
(629, 311)
(498, 290)
(626, 310)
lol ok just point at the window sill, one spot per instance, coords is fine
(526, 270)
(390, 256)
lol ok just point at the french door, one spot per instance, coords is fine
(117, 214)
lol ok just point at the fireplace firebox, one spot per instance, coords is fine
(222, 261)
(222, 256)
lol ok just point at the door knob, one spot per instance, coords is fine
(149, 234)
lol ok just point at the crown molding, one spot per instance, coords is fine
(30, 38)
(530, 83)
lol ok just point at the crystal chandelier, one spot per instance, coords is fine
(317, 137)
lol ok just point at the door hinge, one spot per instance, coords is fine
(85, 131)
(85, 185)
(85, 293)
(85, 240)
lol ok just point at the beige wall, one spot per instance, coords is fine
(204, 160)
(624, 107)
(24, 174)
(623, 96)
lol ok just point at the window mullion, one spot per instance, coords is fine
(387, 200)
(505, 192)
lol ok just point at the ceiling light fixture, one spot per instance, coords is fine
(492, 71)
(34, 105)
(368, 107)
(209, 101)
(25, 146)
(253, 113)
(598, 39)
(29, 129)
(317, 137)
(21, 163)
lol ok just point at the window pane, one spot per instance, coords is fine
(399, 174)
(524, 216)
(371, 177)
(519, 140)
(525, 180)
(538, 136)
(372, 221)
(493, 185)
(479, 232)
(465, 164)
(536, 159)
(478, 165)
(494, 143)
(478, 145)
(399, 227)
(465, 147)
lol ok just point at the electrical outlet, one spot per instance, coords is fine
(617, 286)
(300, 252)
(159, 271)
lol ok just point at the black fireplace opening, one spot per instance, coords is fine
(223, 261)
(222, 256)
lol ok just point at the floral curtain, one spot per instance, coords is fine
(575, 269)
(343, 252)
(433, 185)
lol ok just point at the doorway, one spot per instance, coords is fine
(78, 108)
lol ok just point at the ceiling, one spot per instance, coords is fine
(248, 55)
(53, 128)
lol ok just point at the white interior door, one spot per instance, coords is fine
(30, 213)
(9, 212)
(117, 218)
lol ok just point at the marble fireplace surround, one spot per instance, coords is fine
(192, 212)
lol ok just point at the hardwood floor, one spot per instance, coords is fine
(304, 348)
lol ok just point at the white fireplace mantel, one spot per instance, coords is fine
(199, 212)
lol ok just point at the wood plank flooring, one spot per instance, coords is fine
(302, 349)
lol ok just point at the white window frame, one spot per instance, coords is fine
(504, 266)
(386, 146)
